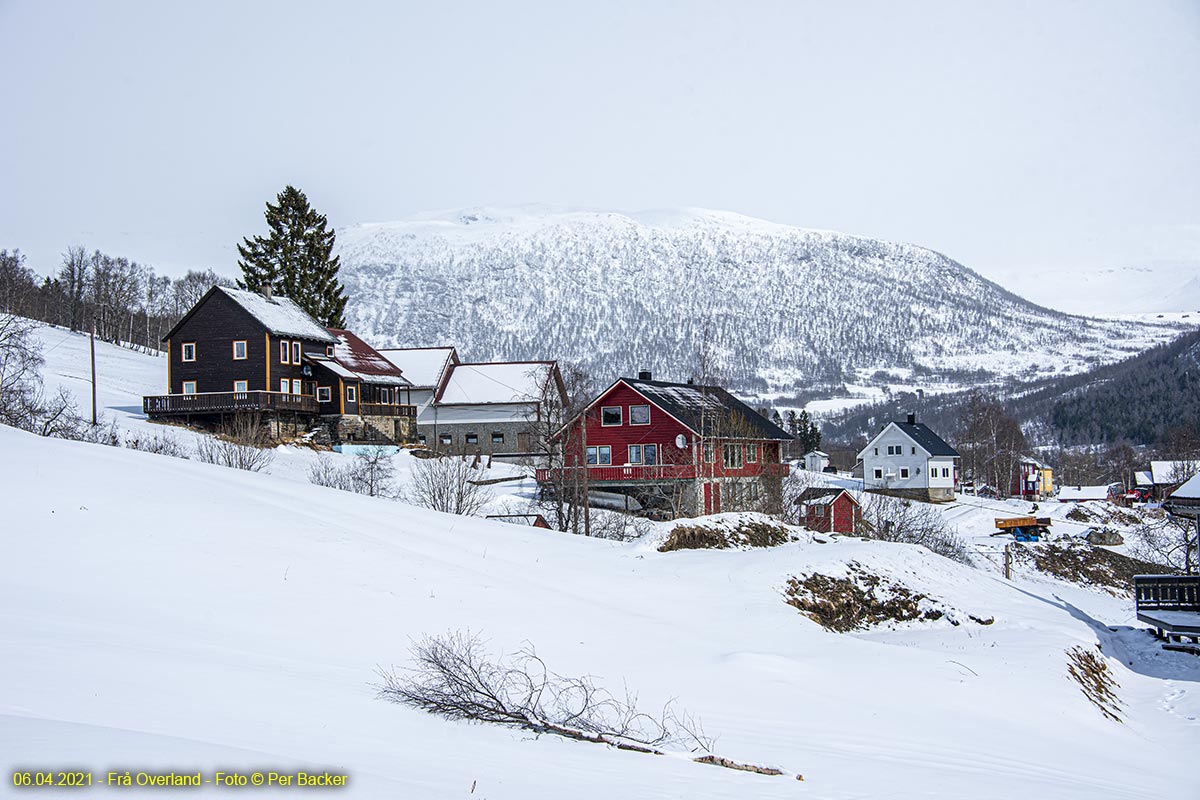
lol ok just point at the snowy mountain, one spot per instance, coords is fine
(772, 307)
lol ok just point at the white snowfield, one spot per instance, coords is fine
(160, 614)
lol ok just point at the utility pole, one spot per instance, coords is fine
(95, 422)
(1008, 561)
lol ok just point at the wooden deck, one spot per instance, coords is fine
(386, 410)
(1171, 605)
(212, 403)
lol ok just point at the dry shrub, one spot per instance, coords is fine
(1095, 680)
(1078, 562)
(243, 443)
(861, 600)
(747, 533)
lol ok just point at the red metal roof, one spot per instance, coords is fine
(356, 355)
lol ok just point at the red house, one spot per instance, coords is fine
(830, 510)
(679, 447)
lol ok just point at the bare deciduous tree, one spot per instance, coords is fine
(447, 483)
(371, 473)
(896, 519)
(1170, 540)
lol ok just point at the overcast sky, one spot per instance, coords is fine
(1042, 136)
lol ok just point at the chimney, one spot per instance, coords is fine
(266, 291)
(691, 381)
(644, 375)
(912, 419)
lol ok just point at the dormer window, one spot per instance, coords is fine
(329, 350)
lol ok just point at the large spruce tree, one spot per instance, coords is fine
(296, 259)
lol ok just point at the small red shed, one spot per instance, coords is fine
(830, 510)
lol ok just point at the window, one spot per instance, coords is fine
(241, 386)
(497, 437)
(239, 350)
(650, 454)
(295, 352)
(296, 386)
(895, 449)
(599, 455)
(639, 415)
(421, 439)
(188, 352)
(752, 453)
(351, 394)
(914, 451)
(635, 454)
(878, 474)
(324, 394)
(709, 455)
(284, 385)
(731, 456)
(945, 472)
(472, 438)
(285, 353)
(876, 451)
(446, 439)
(189, 387)
(610, 415)
(329, 350)
(904, 472)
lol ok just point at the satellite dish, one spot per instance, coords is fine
(681, 441)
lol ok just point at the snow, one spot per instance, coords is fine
(279, 314)
(1077, 493)
(520, 382)
(1166, 472)
(422, 366)
(168, 613)
(243, 632)
(1189, 490)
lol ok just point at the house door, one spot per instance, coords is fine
(712, 498)
(523, 442)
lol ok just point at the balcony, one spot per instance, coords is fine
(386, 410)
(658, 472)
(227, 402)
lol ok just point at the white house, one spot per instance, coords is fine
(816, 461)
(908, 459)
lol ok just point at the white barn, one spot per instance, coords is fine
(908, 459)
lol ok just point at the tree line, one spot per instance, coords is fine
(128, 302)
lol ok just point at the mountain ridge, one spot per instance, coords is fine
(773, 307)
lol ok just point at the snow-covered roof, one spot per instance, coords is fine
(706, 408)
(280, 315)
(1079, 493)
(501, 382)
(1167, 472)
(1027, 459)
(816, 453)
(367, 364)
(1190, 489)
(422, 366)
(1143, 478)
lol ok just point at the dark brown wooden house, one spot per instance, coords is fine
(236, 351)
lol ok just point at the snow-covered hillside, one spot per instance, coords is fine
(774, 307)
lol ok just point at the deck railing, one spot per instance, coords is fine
(386, 410)
(658, 472)
(228, 402)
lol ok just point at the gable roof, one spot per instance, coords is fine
(280, 315)
(710, 408)
(1166, 472)
(502, 382)
(362, 360)
(1190, 490)
(924, 438)
(824, 495)
(424, 367)
(1080, 493)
